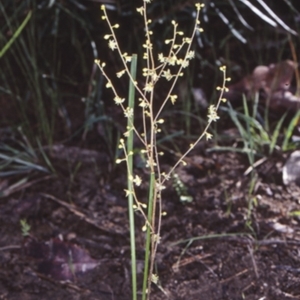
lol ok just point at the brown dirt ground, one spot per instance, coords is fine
(225, 244)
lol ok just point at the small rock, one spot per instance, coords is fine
(291, 169)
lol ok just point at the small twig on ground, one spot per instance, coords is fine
(253, 261)
(72, 208)
(11, 247)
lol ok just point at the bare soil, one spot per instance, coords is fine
(227, 243)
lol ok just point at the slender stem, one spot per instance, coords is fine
(180, 160)
(131, 96)
(178, 72)
(148, 238)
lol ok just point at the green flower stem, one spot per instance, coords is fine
(131, 95)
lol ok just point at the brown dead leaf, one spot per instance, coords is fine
(58, 259)
(273, 82)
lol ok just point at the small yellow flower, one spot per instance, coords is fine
(127, 57)
(161, 58)
(167, 74)
(148, 45)
(149, 87)
(172, 60)
(112, 44)
(223, 68)
(166, 176)
(147, 113)
(186, 40)
(168, 41)
(143, 103)
(173, 98)
(208, 135)
(199, 6)
(137, 180)
(127, 193)
(184, 63)
(128, 112)
(190, 55)
(118, 100)
(183, 162)
(143, 205)
(154, 278)
(121, 73)
(159, 186)
(212, 114)
(146, 72)
(154, 76)
(140, 10)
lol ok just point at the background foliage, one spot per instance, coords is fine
(51, 88)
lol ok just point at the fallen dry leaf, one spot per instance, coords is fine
(273, 82)
(59, 259)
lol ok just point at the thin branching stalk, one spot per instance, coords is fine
(222, 89)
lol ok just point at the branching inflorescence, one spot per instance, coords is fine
(157, 68)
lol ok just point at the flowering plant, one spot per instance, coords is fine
(160, 68)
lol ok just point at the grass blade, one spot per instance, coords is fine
(276, 134)
(289, 132)
(16, 34)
